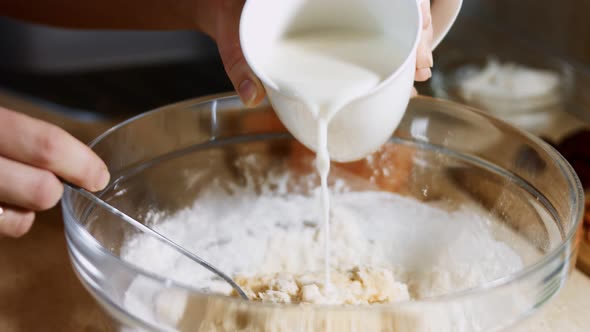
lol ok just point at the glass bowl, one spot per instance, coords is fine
(462, 55)
(535, 114)
(443, 154)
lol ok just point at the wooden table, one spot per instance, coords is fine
(40, 292)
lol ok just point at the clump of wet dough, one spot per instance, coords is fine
(360, 285)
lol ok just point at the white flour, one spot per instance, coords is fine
(246, 233)
(509, 81)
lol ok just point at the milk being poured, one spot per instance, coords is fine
(327, 70)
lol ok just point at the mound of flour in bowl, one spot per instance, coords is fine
(264, 235)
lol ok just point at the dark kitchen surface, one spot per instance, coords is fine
(108, 73)
(121, 92)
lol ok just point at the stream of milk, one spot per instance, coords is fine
(327, 70)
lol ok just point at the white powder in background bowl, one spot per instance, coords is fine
(421, 250)
(509, 82)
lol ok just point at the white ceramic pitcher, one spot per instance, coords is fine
(365, 123)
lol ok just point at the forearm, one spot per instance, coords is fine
(113, 14)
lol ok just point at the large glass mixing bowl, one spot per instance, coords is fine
(442, 154)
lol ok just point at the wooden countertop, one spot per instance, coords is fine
(40, 292)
